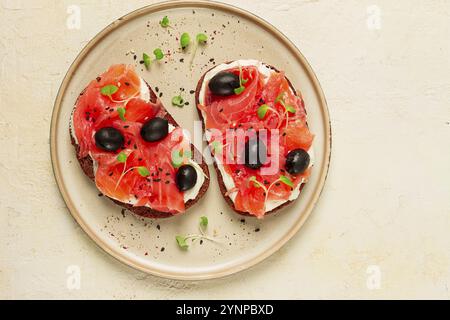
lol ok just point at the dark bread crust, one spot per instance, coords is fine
(87, 165)
(222, 186)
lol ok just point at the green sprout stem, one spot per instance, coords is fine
(266, 190)
(124, 172)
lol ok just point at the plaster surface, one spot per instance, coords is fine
(381, 228)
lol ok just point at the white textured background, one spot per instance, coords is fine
(386, 204)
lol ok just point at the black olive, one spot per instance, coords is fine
(297, 161)
(155, 129)
(224, 83)
(255, 153)
(186, 177)
(109, 139)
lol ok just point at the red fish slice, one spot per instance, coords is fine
(122, 181)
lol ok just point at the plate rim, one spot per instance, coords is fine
(133, 262)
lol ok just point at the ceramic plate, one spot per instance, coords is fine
(149, 245)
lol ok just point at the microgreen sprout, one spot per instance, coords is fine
(242, 81)
(201, 39)
(143, 171)
(158, 54)
(185, 40)
(122, 157)
(287, 107)
(286, 181)
(165, 23)
(203, 224)
(217, 147)
(262, 111)
(147, 60)
(182, 242)
(121, 111)
(178, 100)
(179, 157)
(109, 90)
(282, 179)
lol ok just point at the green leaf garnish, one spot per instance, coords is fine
(290, 108)
(239, 90)
(287, 107)
(286, 181)
(122, 157)
(217, 147)
(158, 54)
(143, 171)
(121, 111)
(204, 221)
(182, 242)
(255, 182)
(262, 111)
(185, 40)
(201, 38)
(242, 81)
(178, 157)
(109, 90)
(147, 60)
(280, 97)
(164, 22)
(178, 101)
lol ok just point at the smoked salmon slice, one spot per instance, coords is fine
(265, 101)
(140, 173)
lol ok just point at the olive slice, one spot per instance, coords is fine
(255, 153)
(155, 129)
(297, 161)
(109, 139)
(186, 177)
(224, 83)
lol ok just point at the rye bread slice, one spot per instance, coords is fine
(87, 165)
(222, 186)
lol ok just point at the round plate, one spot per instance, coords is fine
(149, 245)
